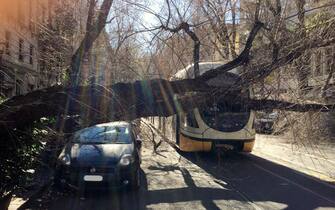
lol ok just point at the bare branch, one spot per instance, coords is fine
(196, 50)
(88, 40)
(240, 60)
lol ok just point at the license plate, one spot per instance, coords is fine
(92, 178)
(227, 146)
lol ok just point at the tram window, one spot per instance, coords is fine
(234, 108)
(191, 121)
(226, 117)
(182, 119)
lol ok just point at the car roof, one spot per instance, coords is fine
(115, 123)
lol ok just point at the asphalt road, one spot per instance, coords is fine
(173, 180)
(268, 185)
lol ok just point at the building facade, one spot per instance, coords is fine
(20, 23)
(19, 69)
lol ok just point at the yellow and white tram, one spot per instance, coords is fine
(216, 125)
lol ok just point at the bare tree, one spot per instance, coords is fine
(259, 58)
(96, 21)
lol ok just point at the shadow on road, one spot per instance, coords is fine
(119, 199)
(103, 199)
(246, 181)
(264, 182)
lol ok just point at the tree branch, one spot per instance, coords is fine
(240, 60)
(91, 35)
(196, 49)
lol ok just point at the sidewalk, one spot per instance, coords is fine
(315, 160)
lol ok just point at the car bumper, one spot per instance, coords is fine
(264, 126)
(117, 177)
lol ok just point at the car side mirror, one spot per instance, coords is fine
(139, 142)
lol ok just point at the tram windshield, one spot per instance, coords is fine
(225, 116)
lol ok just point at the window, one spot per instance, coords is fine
(2, 81)
(43, 65)
(226, 117)
(329, 63)
(21, 43)
(17, 88)
(307, 67)
(103, 135)
(318, 64)
(31, 54)
(7, 42)
(191, 120)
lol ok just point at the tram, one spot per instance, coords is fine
(217, 125)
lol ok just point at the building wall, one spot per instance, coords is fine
(19, 72)
(20, 21)
(321, 61)
(97, 67)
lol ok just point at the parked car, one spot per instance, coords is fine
(264, 122)
(102, 155)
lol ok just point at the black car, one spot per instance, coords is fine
(102, 155)
(265, 121)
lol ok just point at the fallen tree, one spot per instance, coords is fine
(159, 97)
(127, 101)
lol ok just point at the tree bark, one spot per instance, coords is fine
(92, 32)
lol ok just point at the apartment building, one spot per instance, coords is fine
(20, 23)
(97, 68)
(322, 62)
(18, 44)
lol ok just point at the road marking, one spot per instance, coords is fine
(294, 183)
(232, 187)
(249, 201)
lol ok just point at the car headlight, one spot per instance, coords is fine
(126, 160)
(65, 159)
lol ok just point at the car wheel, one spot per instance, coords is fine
(59, 183)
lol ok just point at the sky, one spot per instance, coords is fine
(147, 20)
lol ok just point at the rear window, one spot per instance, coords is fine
(103, 134)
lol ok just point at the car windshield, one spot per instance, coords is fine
(103, 135)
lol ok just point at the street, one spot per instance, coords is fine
(174, 180)
(167, 104)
